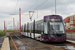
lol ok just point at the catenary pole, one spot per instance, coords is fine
(20, 20)
(4, 26)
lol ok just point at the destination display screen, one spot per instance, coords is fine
(55, 20)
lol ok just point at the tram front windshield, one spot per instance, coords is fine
(56, 27)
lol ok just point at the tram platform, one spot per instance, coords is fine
(1, 41)
(72, 40)
(5, 44)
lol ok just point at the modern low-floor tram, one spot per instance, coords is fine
(50, 29)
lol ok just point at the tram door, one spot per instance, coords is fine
(42, 29)
(45, 28)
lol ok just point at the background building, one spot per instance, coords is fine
(70, 23)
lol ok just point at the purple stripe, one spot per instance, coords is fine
(57, 39)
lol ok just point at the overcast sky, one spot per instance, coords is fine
(7, 7)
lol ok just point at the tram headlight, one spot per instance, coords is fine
(52, 35)
(64, 35)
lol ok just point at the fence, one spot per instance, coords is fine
(71, 35)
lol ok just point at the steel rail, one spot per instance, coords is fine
(13, 43)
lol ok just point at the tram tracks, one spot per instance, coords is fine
(45, 46)
(23, 41)
(13, 43)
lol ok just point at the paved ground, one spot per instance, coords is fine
(1, 41)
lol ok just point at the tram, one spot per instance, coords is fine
(50, 29)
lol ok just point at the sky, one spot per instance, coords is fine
(9, 9)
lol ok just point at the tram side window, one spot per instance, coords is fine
(45, 28)
(41, 26)
(24, 28)
(29, 28)
(32, 29)
(35, 28)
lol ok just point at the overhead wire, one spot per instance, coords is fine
(33, 9)
(41, 4)
(15, 6)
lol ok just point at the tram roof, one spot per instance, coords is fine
(37, 22)
(52, 16)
